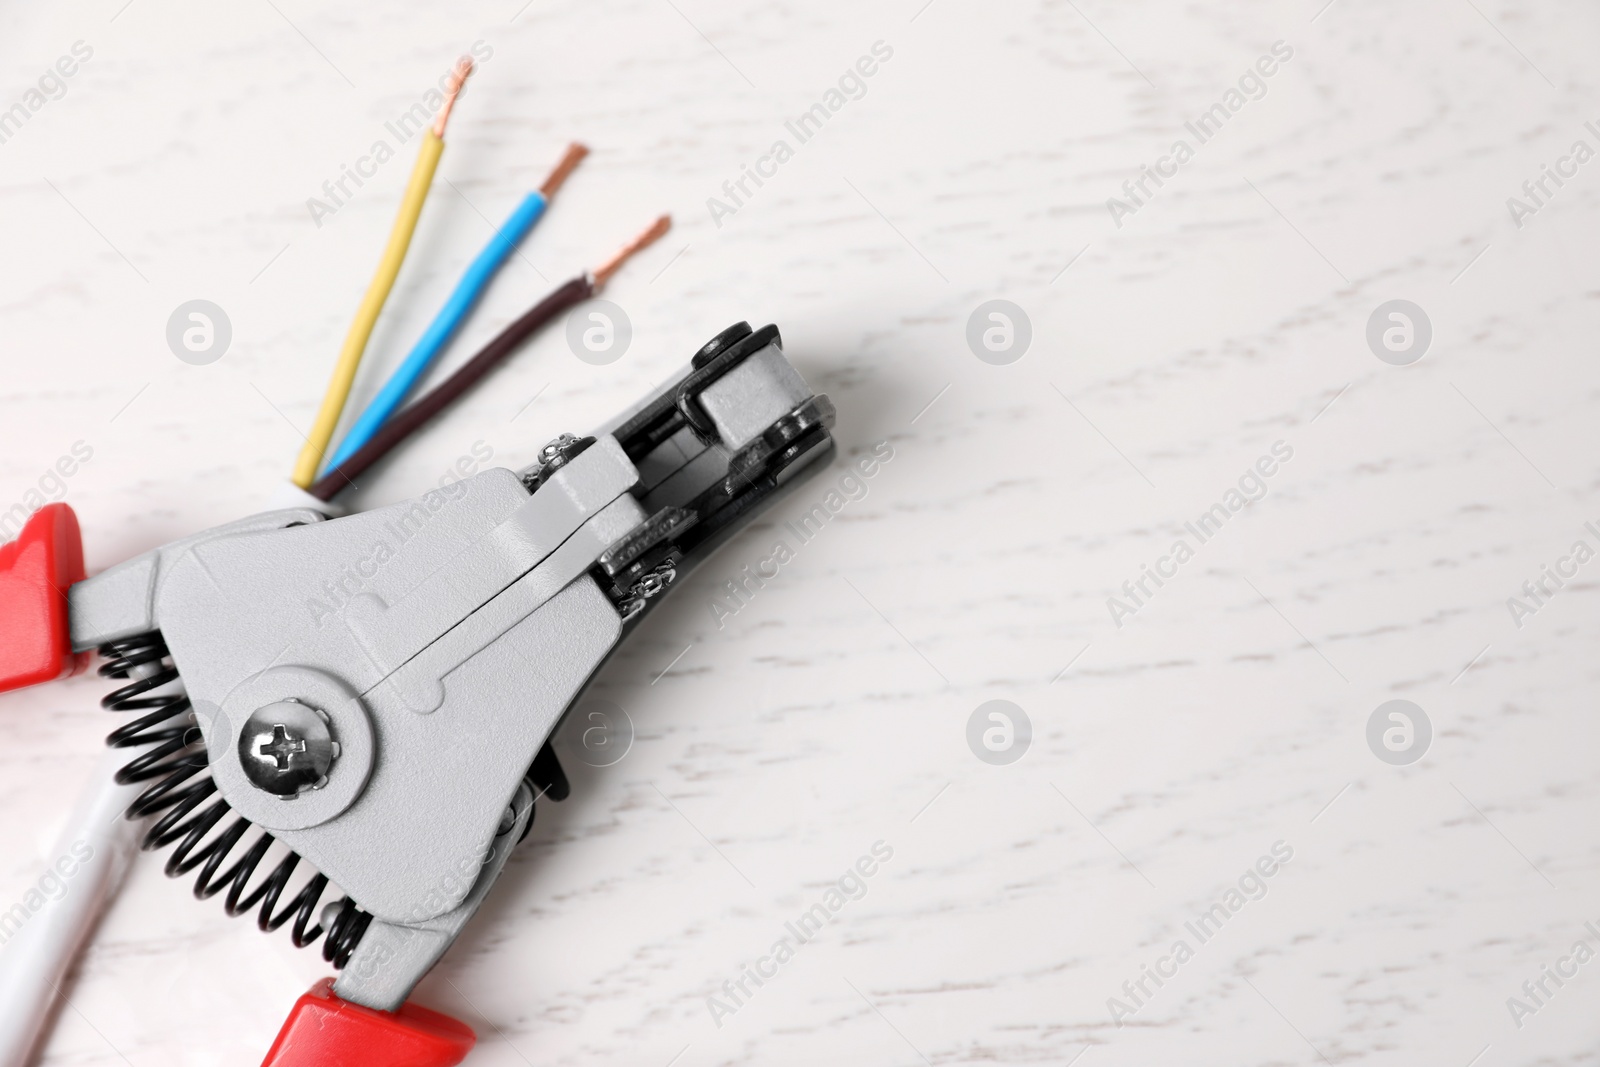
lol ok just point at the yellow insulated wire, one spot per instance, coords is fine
(355, 341)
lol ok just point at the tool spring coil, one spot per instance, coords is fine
(173, 758)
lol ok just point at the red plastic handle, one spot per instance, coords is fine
(325, 1031)
(35, 572)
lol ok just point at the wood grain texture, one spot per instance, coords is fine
(1227, 313)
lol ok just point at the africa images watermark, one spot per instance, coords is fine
(383, 940)
(336, 192)
(1252, 488)
(851, 885)
(852, 85)
(354, 578)
(51, 85)
(738, 591)
(1250, 886)
(1252, 85)
(1564, 970)
(52, 885)
(1538, 189)
(50, 487)
(1552, 578)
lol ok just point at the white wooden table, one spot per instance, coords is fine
(1173, 345)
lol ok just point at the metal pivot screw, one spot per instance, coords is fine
(555, 448)
(554, 456)
(287, 748)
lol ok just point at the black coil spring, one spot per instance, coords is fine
(175, 755)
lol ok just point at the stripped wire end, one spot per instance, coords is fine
(649, 237)
(569, 163)
(458, 78)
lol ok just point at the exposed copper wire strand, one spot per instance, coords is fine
(458, 78)
(574, 156)
(603, 272)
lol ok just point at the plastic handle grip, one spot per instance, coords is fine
(35, 572)
(325, 1031)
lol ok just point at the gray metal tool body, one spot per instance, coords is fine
(372, 690)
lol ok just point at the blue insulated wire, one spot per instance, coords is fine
(468, 290)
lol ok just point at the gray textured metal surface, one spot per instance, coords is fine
(119, 602)
(759, 391)
(393, 957)
(442, 637)
(371, 618)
